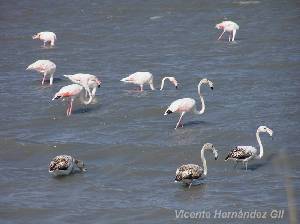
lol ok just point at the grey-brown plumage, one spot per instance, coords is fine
(62, 162)
(64, 165)
(188, 171)
(241, 153)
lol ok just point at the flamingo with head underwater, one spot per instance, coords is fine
(246, 153)
(46, 37)
(142, 78)
(46, 67)
(63, 165)
(185, 105)
(71, 92)
(228, 26)
(89, 82)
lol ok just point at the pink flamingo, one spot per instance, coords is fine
(46, 37)
(88, 81)
(71, 92)
(185, 105)
(141, 78)
(43, 66)
(228, 26)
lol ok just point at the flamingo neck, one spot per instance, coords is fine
(261, 148)
(203, 162)
(162, 83)
(202, 101)
(87, 89)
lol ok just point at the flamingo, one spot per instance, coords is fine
(46, 37)
(64, 165)
(228, 26)
(88, 81)
(141, 78)
(185, 105)
(246, 153)
(190, 172)
(71, 92)
(46, 67)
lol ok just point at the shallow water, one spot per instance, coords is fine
(130, 149)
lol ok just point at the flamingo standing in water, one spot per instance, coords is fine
(88, 81)
(71, 92)
(246, 153)
(46, 37)
(185, 105)
(190, 172)
(46, 67)
(64, 165)
(228, 26)
(141, 78)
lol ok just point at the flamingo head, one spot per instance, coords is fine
(208, 82)
(98, 82)
(36, 36)
(220, 26)
(80, 165)
(211, 147)
(265, 129)
(92, 82)
(174, 81)
(57, 96)
(29, 67)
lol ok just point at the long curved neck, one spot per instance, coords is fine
(261, 148)
(162, 83)
(203, 161)
(202, 101)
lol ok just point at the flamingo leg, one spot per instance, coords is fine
(221, 35)
(235, 164)
(246, 165)
(233, 35)
(71, 107)
(142, 88)
(229, 36)
(190, 184)
(68, 107)
(51, 79)
(179, 121)
(44, 78)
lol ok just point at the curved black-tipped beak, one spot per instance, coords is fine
(212, 88)
(176, 87)
(216, 158)
(99, 86)
(57, 97)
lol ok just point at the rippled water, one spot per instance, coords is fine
(131, 150)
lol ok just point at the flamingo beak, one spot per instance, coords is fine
(212, 88)
(168, 112)
(56, 97)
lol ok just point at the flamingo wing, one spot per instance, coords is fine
(189, 171)
(241, 152)
(62, 162)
